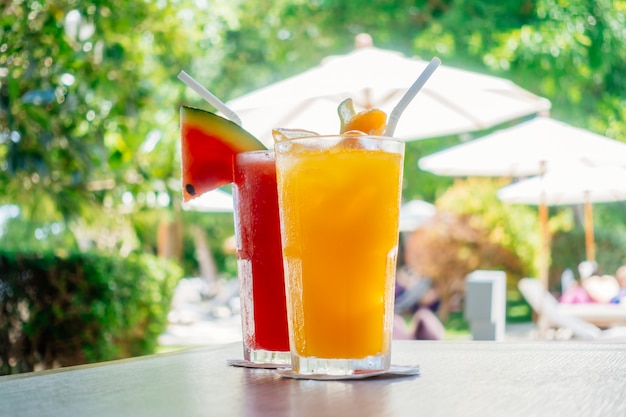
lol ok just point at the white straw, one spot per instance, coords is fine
(410, 94)
(209, 97)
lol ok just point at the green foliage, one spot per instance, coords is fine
(610, 216)
(514, 227)
(218, 228)
(81, 308)
(572, 52)
(20, 235)
(98, 229)
(418, 184)
(69, 135)
(570, 246)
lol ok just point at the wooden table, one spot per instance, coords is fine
(458, 379)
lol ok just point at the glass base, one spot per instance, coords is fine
(266, 356)
(312, 365)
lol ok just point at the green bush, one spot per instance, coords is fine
(81, 308)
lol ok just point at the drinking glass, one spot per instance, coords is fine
(259, 259)
(339, 200)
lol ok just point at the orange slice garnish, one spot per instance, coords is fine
(371, 122)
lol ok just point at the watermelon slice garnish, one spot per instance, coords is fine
(208, 145)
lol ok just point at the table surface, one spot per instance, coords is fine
(467, 378)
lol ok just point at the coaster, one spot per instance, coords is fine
(247, 364)
(395, 371)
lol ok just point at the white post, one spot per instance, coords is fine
(485, 304)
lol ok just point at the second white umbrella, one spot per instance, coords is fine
(572, 185)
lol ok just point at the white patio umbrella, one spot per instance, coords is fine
(216, 201)
(530, 148)
(572, 185)
(452, 101)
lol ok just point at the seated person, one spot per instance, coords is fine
(576, 294)
(573, 291)
(620, 276)
(416, 297)
(424, 325)
(592, 288)
(601, 288)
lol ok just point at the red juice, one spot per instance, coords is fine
(259, 258)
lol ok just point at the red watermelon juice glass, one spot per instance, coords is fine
(259, 259)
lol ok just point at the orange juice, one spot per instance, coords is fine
(339, 222)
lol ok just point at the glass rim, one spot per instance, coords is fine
(338, 135)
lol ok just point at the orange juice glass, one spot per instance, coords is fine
(339, 201)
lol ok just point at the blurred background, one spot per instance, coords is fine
(93, 238)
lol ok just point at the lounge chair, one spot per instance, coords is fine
(553, 315)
